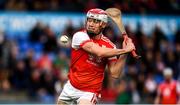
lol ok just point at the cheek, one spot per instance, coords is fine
(99, 27)
(86, 24)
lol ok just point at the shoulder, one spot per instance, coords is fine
(108, 41)
(78, 38)
(80, 35)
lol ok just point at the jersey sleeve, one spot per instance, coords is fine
(78, 39)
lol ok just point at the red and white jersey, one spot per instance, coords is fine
(87, 70)
(169, 92)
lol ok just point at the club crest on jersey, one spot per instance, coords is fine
(91, 57)
(95, 58)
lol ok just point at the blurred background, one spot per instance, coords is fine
(34, 65)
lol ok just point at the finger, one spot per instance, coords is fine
(134, 48)
(131, 45)
(124, 44)
(129, 40)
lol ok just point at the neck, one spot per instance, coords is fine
(168, 80)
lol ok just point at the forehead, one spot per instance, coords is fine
(94, 20)
(97, 14)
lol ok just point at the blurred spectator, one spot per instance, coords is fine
(44, 63)
(49, 40)
(4, 50)
(136, 99)
(158, 36)
(61, 63)
(90, 4)
(19, 76)
(5, 85)
(72, 5)
(109, 91)
(140, 84)
(54, 5)
(124, 96)
(159, 61)
(14, 5)
(48, 83)
(177, 52)
(35, 84)
(36, 33)
(150, 88)
(177, 37)
(169, 90)
(69, 30)
(13, 55)
(30, 62)
(171, 61)
(130, 6)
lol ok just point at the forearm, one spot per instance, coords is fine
(117, 68)
(108, 52)
(102, 51)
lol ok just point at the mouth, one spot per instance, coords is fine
(90, 29)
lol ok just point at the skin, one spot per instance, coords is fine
(85, 102)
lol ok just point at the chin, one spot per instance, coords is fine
(91, 33)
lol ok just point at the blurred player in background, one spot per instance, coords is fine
(91, 52)
(169, 90)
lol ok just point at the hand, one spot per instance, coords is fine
(128, 45)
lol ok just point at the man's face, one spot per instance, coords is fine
(94, 26)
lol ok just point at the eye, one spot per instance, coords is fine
(89, 19)
(93, 20)
(96, 21)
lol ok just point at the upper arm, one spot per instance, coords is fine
(111, 61)
(82, 40)
(111, 65)
(92, 47)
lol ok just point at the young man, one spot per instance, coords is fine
(91, 52)
(169, 90)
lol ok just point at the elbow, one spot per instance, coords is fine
(118, 74)
(115, 76)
